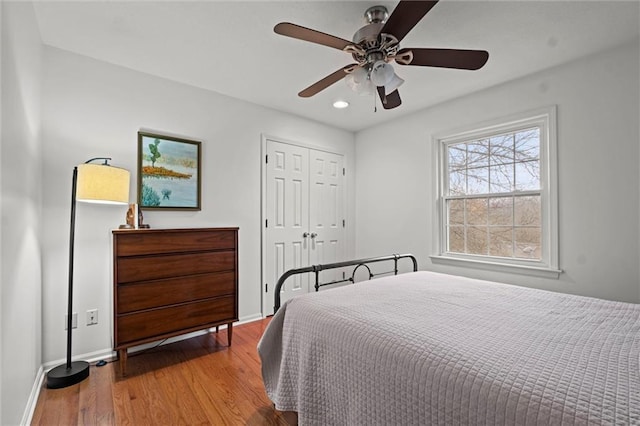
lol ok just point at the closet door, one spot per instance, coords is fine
(326, 216)
(304, 223)
(287, 221)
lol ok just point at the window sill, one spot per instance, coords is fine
(488, 265)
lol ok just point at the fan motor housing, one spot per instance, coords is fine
(375, 16)
(367, 36)
(370, 44)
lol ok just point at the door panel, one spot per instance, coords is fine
(287, 210)
(326, 195)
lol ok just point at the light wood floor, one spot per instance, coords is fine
(196, 381)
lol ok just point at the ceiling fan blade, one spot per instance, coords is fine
(390, 101)
(327, 81)
(446, 58)
(405, 16)
(301, 33)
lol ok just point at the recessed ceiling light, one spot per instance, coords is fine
(340, 104)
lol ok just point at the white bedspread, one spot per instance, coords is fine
(432, 349)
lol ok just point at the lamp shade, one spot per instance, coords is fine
(100, 183)
(359, 81)
(393, 84)
(381, 73)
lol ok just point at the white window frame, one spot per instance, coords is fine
(548, 265)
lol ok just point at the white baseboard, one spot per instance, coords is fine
(250, 318)
(107, 355)
(90, 357)
(27, 416)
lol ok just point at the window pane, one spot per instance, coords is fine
(478, 153)
(527, 243)
(457, 156)
(527, 145)
(528, 176)
(527, 211)
(501, 241)
(457, 183)
(477, 240)
(501, 211)
(456, 239)
(477, 211)
(478, 181)
(456, 212)
(501, 177)
(502, 149)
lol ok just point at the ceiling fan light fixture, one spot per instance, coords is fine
(359, 81)
(366, 89)
(381, 73)
(393, 84)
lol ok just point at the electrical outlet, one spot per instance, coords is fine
(74, 320)
(92, 316)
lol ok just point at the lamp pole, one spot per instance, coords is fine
(71, 372)
(72, 229)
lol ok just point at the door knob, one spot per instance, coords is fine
(313, 235)
(305, 235)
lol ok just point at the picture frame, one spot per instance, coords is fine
(169, 172)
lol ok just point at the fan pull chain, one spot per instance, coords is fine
(375, 104)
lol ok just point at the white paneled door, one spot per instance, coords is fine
(304, 223)
(326, 214)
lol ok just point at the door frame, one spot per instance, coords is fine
(263, 203)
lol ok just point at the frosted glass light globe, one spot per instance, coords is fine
(359, 82)
(381, 73)
(393, 84)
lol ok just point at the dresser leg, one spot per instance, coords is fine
(122, 355)
(229, 332)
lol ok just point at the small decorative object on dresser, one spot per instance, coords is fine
(168, 282)
(141, 223)
(130, 218)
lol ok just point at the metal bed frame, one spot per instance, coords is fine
(358, 263)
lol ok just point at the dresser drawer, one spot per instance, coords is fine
(173, 265)
(134, 243)
(157, 323)
(150, 294)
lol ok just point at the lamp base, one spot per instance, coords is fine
(61, 376)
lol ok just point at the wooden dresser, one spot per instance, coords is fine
(168, 282)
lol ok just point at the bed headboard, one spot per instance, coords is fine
(357, 264)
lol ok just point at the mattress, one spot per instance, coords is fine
(431, 349)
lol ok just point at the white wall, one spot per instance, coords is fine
(20, 156)
(91, 109)
(2, 61)
(599, 180)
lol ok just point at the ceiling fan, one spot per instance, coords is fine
(376, 44)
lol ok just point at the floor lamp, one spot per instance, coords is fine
(93, 183)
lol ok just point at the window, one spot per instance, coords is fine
(497, 193)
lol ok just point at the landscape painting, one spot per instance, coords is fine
(168, 172)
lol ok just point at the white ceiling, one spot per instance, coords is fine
(229, 46)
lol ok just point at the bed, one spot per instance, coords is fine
(423, 348)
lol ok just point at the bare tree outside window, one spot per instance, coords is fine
(493, 196)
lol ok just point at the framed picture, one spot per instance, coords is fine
(168, 173)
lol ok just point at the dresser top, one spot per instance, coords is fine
(146, 230)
